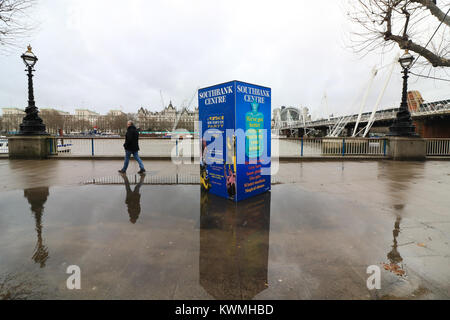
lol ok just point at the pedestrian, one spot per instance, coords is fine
(131, 146)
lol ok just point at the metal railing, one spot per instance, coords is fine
(438, 147)
(317, 147)
(158, 147)
(3, 146)
(149, 147)
(281, 147)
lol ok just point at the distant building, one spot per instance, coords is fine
(13, 111)
(58, 112)
(88, 115)
(114, 121)
(165, 120)
(414, 100)
(116, 113)
(284, 114)
(11, 119)
(290, 114)
(305, 114)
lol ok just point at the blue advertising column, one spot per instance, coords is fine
(235, 145)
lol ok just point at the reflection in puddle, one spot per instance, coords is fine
(394, 256)
(404, 177)
(36, 198)
(234, 246)
(133, 199)
(321, 242)
(147, 179)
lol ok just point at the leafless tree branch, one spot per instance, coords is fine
(406, 23)
(435, 11)
(15, 22)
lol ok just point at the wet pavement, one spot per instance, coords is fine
(312, 237)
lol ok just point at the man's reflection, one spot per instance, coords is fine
(133, 199)
(36, 198)
(234, 246)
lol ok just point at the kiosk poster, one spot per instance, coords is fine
(235, 139)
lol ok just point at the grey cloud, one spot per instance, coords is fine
(105, 54)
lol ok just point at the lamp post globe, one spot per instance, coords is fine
(403, 125)
(29, 58)
(31, 124)
(406, 60)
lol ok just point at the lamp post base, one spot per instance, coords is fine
(403, 130)
(31, 146)
(407, 148)
(403, 125)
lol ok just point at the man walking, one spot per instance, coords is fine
(131, 146)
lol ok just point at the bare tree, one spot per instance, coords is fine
(11, 122)
(53, 120)
(15, 23)
(410, 24)
(119, 123)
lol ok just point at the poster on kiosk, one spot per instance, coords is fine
(235, 133)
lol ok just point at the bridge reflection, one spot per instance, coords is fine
(234, 246)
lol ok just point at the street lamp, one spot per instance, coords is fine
(31, 124)
(403, 125)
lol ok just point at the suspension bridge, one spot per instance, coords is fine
(432, 119)
(335, 126)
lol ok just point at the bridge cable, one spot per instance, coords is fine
(434, 33)
(428, 77)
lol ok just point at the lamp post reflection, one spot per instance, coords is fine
(400, 180)
(36, 198)
(394, 256)
(234, 246)
(395, 259)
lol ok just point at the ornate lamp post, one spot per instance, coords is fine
(31, 124)
(403, 125)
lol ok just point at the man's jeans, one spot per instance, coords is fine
(127, 160)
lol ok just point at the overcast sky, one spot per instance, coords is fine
(106, 54)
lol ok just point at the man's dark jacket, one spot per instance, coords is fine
(131, 139)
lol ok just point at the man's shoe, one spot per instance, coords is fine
(121, 171)
(141, 171)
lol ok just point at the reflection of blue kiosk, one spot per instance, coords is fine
(234, 246)
(235, 139)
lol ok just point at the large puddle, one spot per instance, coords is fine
(133, 239)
